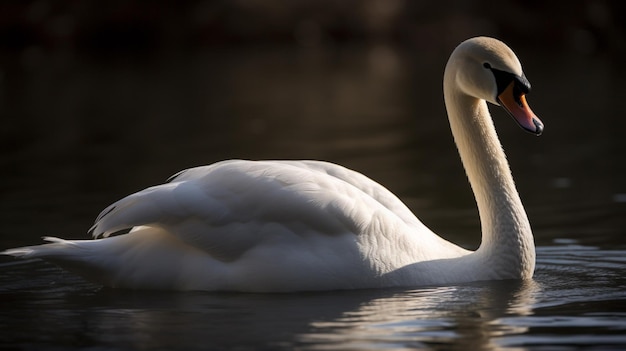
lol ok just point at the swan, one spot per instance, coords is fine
(280, 226)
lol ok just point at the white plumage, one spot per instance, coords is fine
(309, 225)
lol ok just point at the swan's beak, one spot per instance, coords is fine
(516, 106)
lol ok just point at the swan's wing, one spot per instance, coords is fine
(229, 207)
(368, 186)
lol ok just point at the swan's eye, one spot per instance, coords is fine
(487, 65)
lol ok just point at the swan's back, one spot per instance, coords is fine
(252, 225)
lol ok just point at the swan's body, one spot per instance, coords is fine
(310, 225)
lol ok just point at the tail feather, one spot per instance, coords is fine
(55, 247)
(79, 256)
(147, 258)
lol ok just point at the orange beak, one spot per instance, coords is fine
(517, 107)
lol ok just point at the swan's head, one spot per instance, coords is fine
(487, 69)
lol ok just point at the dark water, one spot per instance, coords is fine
(80, 132)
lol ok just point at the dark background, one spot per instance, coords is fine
(106, 29)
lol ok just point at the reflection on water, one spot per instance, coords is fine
(466, 315)
(81, 133)
(564, 303)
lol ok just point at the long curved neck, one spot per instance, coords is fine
(507, 247)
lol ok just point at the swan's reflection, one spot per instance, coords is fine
(472, 315)
(466, 315)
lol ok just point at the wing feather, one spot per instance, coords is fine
(230, 207)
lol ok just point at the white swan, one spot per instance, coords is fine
(272, 226)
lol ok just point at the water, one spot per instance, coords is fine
(576, 300)
(79, 133)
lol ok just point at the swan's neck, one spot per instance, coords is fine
(507, 247)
